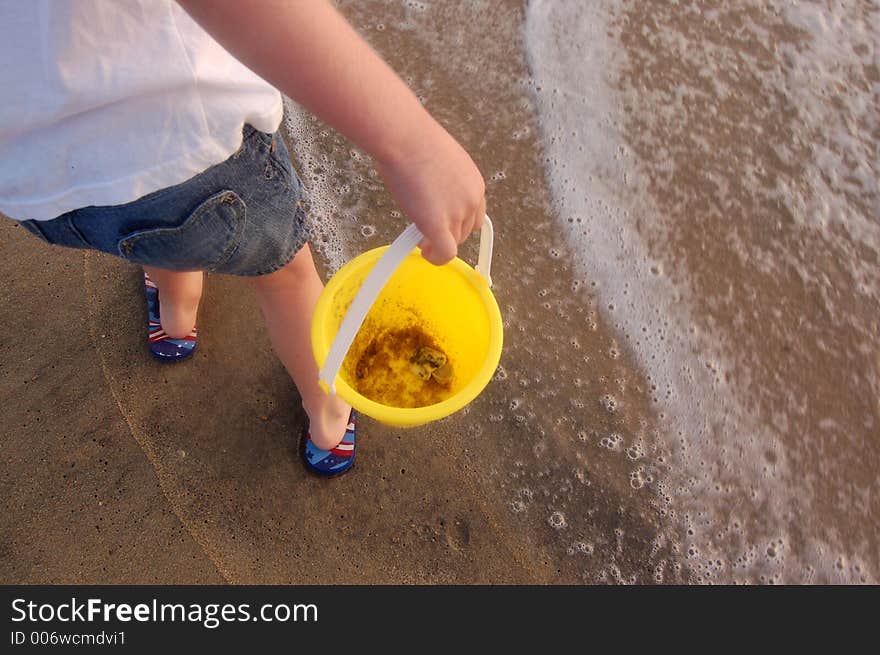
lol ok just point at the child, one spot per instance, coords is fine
(147, 129)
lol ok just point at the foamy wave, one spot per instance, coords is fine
(732, 487)
(315, 167)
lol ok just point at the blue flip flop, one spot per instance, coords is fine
(337, 460)
(161, 345)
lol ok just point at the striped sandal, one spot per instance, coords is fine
(161, 345)
(337, 460)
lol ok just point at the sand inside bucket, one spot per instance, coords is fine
(390, 367)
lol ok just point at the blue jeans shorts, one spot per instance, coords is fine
(244, 216)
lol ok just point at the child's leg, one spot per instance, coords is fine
(179, 295)
(287, 299)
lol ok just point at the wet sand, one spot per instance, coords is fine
(571, 467)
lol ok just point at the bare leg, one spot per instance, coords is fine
(287, 299)
(179, 296)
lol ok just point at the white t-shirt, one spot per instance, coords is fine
(105, 101)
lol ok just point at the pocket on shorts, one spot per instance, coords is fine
(205, 239)
(272, 155)
(279, 155)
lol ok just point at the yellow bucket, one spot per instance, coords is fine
(452, 303)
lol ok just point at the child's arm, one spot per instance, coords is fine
(312, 54)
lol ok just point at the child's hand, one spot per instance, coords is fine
(440, 189)
(308, 51)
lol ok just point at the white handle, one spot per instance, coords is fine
(487, 242)
(360, 306)
(373, 285)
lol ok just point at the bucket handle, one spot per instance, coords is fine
(487, 243)
(373, 285)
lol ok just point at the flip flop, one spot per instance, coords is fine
(161, 345)
(337, 460)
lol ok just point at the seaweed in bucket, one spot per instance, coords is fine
(428, 362)
(403, 367)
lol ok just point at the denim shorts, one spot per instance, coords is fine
(244, 216)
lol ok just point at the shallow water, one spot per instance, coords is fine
(727, 181)
(687, 198)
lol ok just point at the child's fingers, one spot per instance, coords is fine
(439, 249)
(473, 222)
(479, 216)
(467, 226)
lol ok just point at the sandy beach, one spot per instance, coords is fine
(687, 265)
